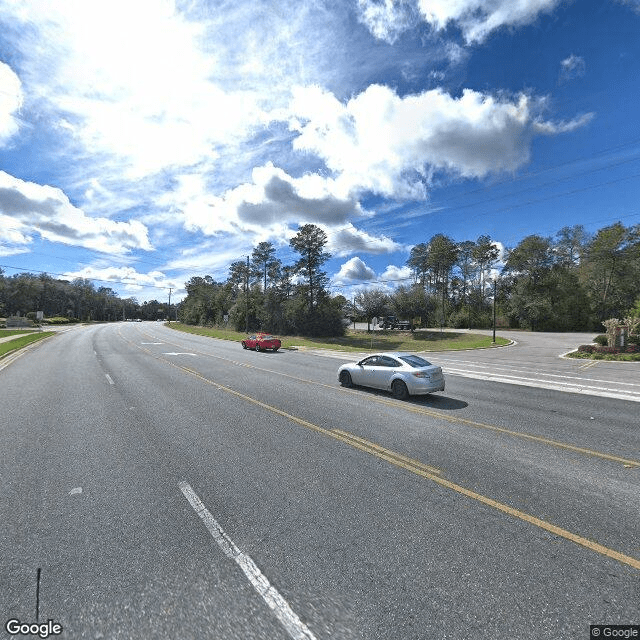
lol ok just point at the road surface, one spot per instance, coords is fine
(156, 484)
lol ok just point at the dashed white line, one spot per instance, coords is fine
(109, 379)
(289, 620)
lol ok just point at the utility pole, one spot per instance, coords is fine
(169, 311)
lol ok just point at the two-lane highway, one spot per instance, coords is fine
(156, 484)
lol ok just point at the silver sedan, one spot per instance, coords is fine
(401, 373)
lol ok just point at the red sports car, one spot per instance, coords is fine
(261, 342)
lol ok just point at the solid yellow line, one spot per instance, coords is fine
(387, 452)
(396, 459)
(455, 419)
(352, 441)
(518, 434)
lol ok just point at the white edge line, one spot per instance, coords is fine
(289, 620)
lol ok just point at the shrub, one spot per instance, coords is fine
(601, 340)
(592, 348)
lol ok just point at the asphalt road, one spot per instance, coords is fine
(162, 485)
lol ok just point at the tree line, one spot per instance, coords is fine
(76, 300)
(568, 282)
(263, 293)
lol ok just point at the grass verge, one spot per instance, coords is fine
(23, 341)
(5, 333)
(363, 341)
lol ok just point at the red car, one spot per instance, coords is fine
(261, 342)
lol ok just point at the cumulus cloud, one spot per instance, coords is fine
(388, 145)
(273, 199)
(11, 99)
(151, 105)
(27, 208)
(348, 239)
(354, 270)
(397, 275)
(475, 18)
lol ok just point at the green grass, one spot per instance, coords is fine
(620, 357)
(363, 341)
(18, 343)
(4, 333)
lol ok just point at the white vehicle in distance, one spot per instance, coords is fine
(403, 374)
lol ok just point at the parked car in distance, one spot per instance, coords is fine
(261, 342)
(403, 374)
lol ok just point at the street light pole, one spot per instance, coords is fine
(495, 284)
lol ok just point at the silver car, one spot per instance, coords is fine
(401, 373)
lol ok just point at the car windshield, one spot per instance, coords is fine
(415, 361)
(267, 338)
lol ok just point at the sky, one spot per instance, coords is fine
(146, 142)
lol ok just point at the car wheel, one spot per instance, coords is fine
(399, 390)
(275, 349)
(345, 379)
(258, 347)
(244, 345)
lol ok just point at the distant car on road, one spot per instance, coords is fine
(403, 374)
(261, 342)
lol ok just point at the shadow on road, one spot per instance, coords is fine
(432, 400)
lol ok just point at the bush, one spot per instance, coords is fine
(601, 340)
(592, 348)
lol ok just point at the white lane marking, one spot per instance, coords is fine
(619, 394)
(289, 620)
(495, 368)
(75, 491)
(108, 377)
(178, 353)
(152, 343)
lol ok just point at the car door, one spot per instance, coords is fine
(384, 370)
(366, 373)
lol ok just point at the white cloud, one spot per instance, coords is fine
(354, 270)
(389, 145)
(572, 67)
(153, 285)
(386, 19)
(397, 275)
(27, 208)
(348, 239)
(270, 202)
(478, 18)
(11, 99)
(132, 81)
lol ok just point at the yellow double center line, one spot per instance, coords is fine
(418, 468)
(628, 463)
(423, 470)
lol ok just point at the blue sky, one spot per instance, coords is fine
(143, 143)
